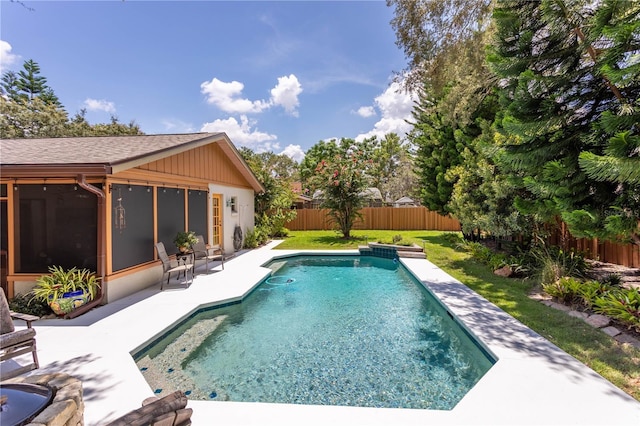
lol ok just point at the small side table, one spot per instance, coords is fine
(185, 258)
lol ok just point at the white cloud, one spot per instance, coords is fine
(395, 107)
(294, 152)
(365, 112)
(286, 94)
(6, 57)
(243, 133)
(99, 105)
(228, 96)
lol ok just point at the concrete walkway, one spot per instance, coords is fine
(532, 383)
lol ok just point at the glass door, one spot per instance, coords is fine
(216, 212)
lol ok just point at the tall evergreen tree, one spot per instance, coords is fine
(9, 85)
(617, 132)
(437, 151)
(552, 92)
(30, 82)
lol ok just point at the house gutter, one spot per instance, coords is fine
(102, 244)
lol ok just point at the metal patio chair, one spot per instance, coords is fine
(14, 342)
(173, 265)
(202, 252)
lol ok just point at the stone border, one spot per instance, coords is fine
(67, 406)
(601, 322)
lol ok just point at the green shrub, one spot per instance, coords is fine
(24, 303)
(479, 252)
(590, 290)
(622, 305)
(452, 237)
(250, 240)
(566, 290)
(612, 279)
(396, 239)
(553, 263)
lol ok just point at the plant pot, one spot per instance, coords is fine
(68, 302)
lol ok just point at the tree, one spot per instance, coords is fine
(272, 207)
(9, 85)
(314, 155)
(617, 25)
(342, 179)
(31, 119)
(30, 109)
(432, 34)
(554, 90)
(437, 152)
(30, 83)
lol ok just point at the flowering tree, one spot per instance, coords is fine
(342, 180)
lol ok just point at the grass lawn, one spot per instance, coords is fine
(620, 364)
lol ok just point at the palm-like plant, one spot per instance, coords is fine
(59, 281)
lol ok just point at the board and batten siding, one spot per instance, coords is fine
(208, 163)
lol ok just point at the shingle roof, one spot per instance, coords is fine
(108, 154)
(90, 150)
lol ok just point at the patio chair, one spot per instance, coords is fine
(15, 343)
(172, 265)
(202, 252)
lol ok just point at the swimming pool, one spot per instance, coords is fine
(331, 330)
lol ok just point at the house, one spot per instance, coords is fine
(405, 202)
(302, 201)
(373, 197)
(103, 202)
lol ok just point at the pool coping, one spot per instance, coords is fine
(532, 382)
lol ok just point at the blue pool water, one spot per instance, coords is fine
(340, 330)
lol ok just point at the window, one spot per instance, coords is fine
(56, 225)
(233, 203)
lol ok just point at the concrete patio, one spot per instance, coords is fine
(532, 383)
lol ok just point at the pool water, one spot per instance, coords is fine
(339, 330)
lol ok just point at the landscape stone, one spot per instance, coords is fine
(611, 331)
(578, 314)
(626, 338)
(598, 321)
(558, 306)
(505, 271)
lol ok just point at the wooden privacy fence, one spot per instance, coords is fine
(396, 218)
(604, 251)
(420, 218)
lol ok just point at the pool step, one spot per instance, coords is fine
(391, 251)
(412, 254)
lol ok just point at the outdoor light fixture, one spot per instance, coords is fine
(44, 185)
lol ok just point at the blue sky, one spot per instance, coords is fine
(276, 76)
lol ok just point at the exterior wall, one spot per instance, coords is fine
(23, 287)
(126, 285)
(208, 162)
(244, 217)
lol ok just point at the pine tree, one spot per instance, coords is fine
(437, 151)
(552, 92)
(30, 82)
(617, 132)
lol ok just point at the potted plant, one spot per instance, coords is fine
(65, 290)
(184, 240)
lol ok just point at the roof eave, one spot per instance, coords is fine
(53, 170)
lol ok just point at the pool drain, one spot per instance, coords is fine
(279, 280)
